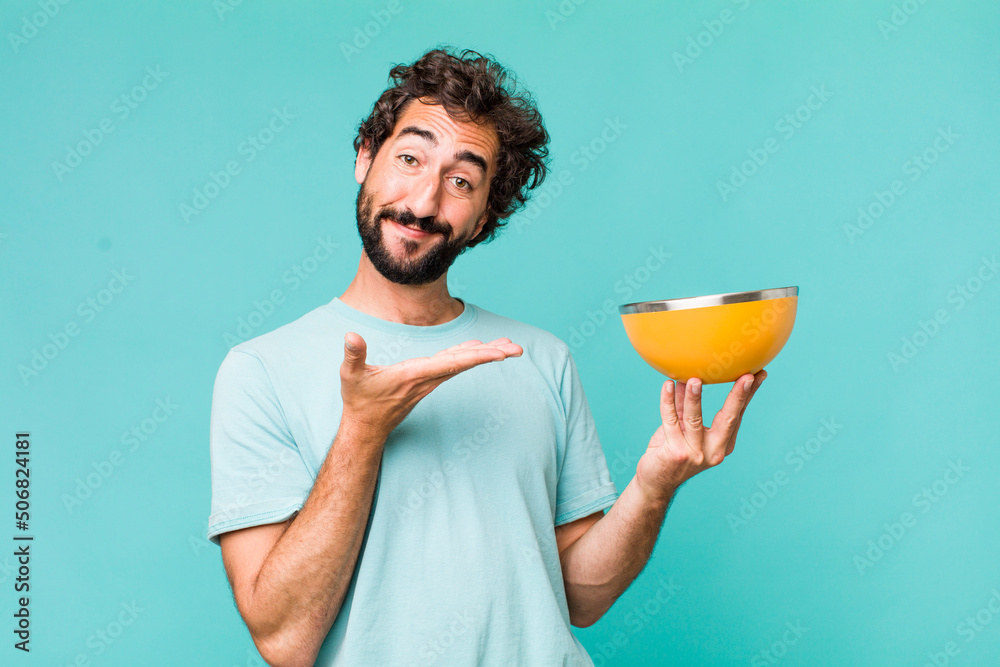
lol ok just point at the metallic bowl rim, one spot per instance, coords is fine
(685, 303)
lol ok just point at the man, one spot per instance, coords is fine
(365, 520)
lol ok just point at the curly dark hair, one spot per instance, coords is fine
(471, 86)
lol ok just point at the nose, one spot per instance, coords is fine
(424, 195)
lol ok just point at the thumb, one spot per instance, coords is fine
(354, 350)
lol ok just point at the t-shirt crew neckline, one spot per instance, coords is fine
(432, 332)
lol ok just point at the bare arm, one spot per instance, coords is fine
(601, 564)
(605, 556)
(290, 579)
(290, 599)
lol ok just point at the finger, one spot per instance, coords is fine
(355, 350)
(474, 343)
(508, 350)
(757, 382)
(726, 420)
(693, 427)
(679, 392)
(428, 368)
(668, 412)
(468, 343)
(731, 445)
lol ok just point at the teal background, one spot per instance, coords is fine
(736, 589)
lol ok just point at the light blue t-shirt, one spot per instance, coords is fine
(459, 564)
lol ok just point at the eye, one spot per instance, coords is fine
(407, 159)
(462, 183)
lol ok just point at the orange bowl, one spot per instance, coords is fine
(716, 338)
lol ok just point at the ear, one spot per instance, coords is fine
(482, 221)
(362, 163)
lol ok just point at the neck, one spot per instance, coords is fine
(418, 305)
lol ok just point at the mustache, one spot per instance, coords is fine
(407, 218)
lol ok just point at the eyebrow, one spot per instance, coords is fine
(462, 156)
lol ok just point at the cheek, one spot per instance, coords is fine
(460, 213)
(389, 192)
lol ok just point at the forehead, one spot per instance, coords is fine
(451, 134)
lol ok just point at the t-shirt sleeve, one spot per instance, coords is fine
(585, 485)
(258, 475)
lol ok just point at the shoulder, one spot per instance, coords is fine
(298, 335)
(548, 353)
(539, 340)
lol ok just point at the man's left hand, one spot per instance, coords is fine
(682, 447)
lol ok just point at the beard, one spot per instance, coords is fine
(409, 269)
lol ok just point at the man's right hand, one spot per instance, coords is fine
(377, 398)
